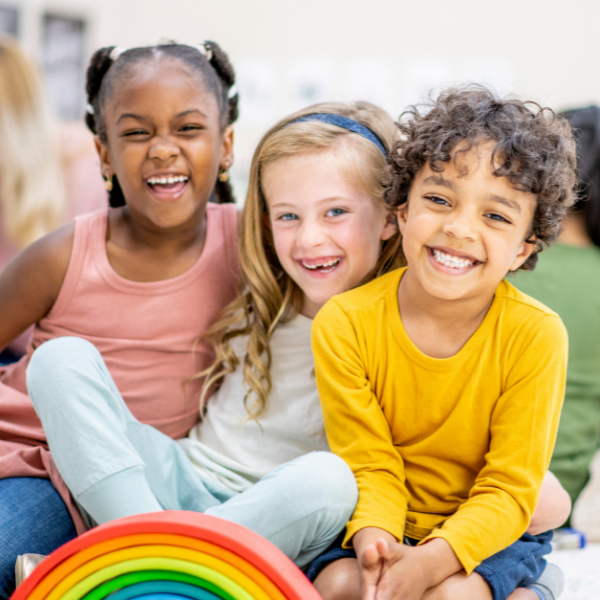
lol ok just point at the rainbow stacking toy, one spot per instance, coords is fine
(172, 555)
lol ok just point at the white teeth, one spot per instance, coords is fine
(452, 261)
(166, 180)
(331, 263)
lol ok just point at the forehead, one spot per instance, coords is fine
(303, 178)
(160, 85)
(473, 168)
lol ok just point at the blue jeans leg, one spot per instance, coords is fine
(33, 519)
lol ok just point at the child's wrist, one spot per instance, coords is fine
(440, 561)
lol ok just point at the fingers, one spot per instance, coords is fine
(370, 564)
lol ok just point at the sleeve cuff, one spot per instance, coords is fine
(467, 561)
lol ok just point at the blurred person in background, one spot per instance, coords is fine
(48, 173)
(567, 279)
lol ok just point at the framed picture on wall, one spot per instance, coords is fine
(63, 56)
(9, 20)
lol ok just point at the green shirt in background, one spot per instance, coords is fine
(567, 280)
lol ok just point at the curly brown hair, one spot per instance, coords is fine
(534, 150)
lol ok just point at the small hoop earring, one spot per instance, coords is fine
(109, 184)
(223, 176)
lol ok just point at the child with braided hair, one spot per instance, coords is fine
(141, 281)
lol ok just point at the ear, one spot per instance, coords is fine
(105, 163)
(525, 251)
(391, 225)
(227, 148)
(402, 212)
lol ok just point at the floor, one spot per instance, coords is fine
(582, 570)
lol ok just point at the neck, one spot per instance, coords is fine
(309, 308)
(574, 232)
(438, 327)
(143, 233)
(414, 299)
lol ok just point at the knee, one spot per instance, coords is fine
(459, 587)
(339, 580)
(55, 356)
(329, 478)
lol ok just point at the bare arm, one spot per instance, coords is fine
(30, 283)
(553, 507)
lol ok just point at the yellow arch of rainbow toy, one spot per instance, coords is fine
(223, 555)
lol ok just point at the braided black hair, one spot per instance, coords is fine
(216, 71)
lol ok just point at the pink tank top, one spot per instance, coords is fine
(146, 332)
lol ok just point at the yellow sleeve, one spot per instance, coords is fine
(356, 427)
(522, 435)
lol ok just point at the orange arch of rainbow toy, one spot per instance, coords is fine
(174, 549)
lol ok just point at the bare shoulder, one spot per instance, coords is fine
(31, 282)
(47, 259)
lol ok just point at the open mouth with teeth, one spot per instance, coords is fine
(324, 267)
(171, 184)
(451, 261)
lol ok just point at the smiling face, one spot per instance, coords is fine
(164, 142)
(464, 228)
(326, 230)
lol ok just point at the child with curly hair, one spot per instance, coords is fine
(441, 384)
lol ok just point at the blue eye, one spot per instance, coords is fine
(288, 217)
(335, 212)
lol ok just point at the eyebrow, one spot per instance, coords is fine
(439, 180)
(177, 116)
(322, 201)
(507, 202)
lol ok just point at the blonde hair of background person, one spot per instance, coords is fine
(32, 188)
(270, 296)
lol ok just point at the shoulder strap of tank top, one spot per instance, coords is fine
(85, 226)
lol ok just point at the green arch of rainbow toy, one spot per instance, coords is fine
(172, 555)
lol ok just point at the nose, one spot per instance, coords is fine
(461, 224)
(164, 148)
(310, 235)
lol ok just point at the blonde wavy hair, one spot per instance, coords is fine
(270, 296)
(32, 189)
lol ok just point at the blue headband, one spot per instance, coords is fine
(345, 123)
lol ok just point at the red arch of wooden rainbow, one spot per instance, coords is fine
(259, 553)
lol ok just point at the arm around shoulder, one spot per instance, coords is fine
(31, 282)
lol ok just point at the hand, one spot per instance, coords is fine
(370, 563)
(406, 571)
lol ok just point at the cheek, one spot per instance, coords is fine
(283, 240)
(362, 246)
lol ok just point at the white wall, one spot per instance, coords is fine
(391, 51)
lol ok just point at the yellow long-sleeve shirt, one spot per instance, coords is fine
(454, 448)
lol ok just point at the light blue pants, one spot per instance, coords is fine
(115, 466)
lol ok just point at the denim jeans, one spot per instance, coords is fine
(33, 518)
